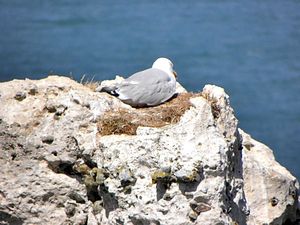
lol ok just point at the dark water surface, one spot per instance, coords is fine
(251, 48)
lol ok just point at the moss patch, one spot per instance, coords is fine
(161, 176)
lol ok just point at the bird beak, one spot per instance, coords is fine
(175, 74)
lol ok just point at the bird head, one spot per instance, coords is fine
(165, 65)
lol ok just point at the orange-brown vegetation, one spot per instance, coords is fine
(125, 121)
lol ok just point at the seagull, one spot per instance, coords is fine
(149, 87)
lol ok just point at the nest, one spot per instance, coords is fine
(125, 121)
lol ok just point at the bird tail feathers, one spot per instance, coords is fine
(108, 89)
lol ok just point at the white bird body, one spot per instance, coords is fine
(149, 87)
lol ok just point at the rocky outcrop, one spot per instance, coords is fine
(70, 155)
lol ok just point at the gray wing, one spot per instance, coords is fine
(149, 87)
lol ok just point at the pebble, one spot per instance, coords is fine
(20, 96)
(48, 139)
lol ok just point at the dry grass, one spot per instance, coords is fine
(117, 123)
(127, 121)
(90, 83)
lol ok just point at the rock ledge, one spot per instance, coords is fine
(184, 162)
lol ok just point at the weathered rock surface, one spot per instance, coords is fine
(58, 168)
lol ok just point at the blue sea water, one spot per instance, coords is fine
(251, 48)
